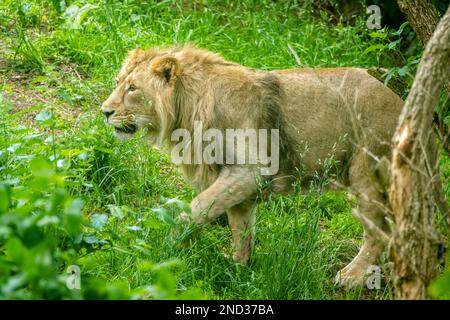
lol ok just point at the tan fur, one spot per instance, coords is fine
(343, 113)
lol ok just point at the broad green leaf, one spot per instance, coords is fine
(41, 167)
(16, 250)
(116, 212)
(26, 110)
(400, 30)
(440, 288)
(73, 218)
(378, 34)
(393, 44)
(374, 48)
(48, 220)
(105, 150)
(91, 239)
(164, 215)
(43, 116)
(133, 228)
(5, 198)
(98, 221)
(402, 71)
(180, 204)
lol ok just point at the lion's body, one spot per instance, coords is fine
(330, 108)
(343, 113)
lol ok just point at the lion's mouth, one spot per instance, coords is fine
(128, 128)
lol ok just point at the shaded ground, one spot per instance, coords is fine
(34, 90)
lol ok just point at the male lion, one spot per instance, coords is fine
(320, 113)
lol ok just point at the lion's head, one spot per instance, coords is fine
(144, 84)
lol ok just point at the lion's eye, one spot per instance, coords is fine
(132, 88)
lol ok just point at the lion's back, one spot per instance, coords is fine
(327, 108)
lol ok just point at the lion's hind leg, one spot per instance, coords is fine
(370, 208)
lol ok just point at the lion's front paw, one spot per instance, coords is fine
(185, 230)
(241, 258)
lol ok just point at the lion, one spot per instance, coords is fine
(343, 113)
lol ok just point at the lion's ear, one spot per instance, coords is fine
(133, 54)
(167, 68)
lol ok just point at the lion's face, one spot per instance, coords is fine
(140, 87)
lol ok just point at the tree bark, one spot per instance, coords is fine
(416, 243)
(423, 17)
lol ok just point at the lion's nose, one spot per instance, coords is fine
(108, 113)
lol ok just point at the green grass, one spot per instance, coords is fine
(123, 247)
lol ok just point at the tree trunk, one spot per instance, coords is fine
(423, 18)
(416, 243)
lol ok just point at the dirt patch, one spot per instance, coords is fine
(31, 91)
(22, 96)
